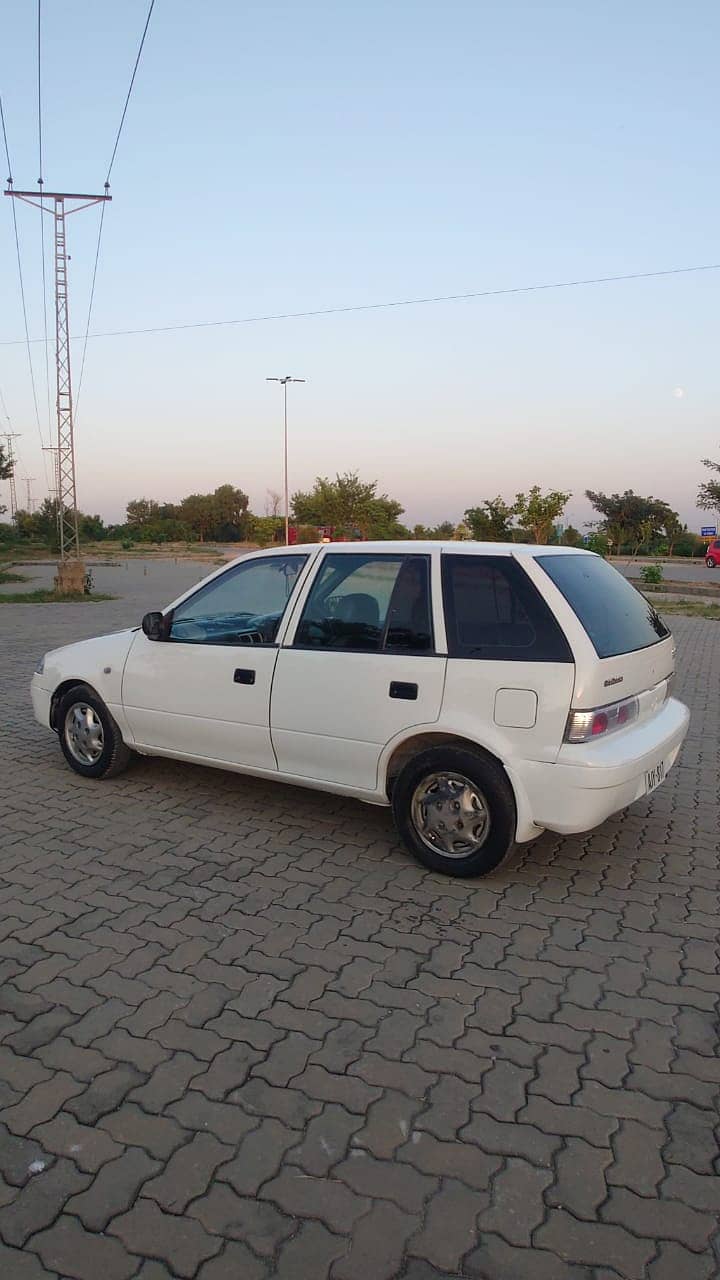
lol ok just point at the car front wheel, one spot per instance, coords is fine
(710, 562)
(455, 811)
(90, 739)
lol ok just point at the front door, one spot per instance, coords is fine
(360, 668)
(205, 692)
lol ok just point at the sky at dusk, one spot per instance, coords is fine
(282, 157)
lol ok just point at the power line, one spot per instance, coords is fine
(89, 314)
(130, 89)
(102, 210)
(22, 289)
(4, 411)
(403, 302)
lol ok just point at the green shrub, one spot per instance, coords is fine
(307, 533)
(689, 544)
(598, 543)
(651, 574)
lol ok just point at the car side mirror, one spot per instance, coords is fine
(156, 626)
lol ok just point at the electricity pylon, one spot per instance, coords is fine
(10, 436)
(65, 467)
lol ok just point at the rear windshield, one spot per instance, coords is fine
(617, 618)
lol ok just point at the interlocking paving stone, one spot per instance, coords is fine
(378, 1244)
(234, 1262)
(114, 1189)
(40, 1201)
(68, 1248)
(23, 1265)
(222, 1212)
(243, 1034)
(310, 1253)
(449, 1230)
(89, 1147)
(188, 1172)
(18, 1156)
(305, 1197)
(181, 1242)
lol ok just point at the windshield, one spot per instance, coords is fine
(617, 618)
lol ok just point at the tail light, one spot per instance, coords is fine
(585, 726)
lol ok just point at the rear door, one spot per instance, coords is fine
(360, 667)
(510, 668)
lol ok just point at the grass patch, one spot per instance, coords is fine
(52, 597)
(692, 609)
(13, 577)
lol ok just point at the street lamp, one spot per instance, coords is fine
(284, 383)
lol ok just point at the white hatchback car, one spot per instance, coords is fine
(485, 691)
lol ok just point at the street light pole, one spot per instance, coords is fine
(284, 383)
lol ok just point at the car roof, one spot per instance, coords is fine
(409, 547)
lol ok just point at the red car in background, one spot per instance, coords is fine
(712, 555)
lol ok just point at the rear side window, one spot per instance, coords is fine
(493, 611)
(617, 618)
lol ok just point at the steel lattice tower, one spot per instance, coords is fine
(65, 455)
(10, 436)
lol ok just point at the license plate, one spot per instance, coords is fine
(654, 776)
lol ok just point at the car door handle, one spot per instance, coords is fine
(400, 689)
(244, 675)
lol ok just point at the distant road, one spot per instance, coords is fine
(697, 571)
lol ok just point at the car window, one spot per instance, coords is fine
(493, 611)
(617, 618)
(245, 605)
(369, 603)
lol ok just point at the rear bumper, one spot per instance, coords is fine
(592, 781)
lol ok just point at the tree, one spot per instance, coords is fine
(6, 470)
(6, 465)
(647, 533)
(230, 513)
(437, 533)
(267, 529)
(197, 511)
(673, 529)
(140, 511)
(708, 498)
(629, 519)
(572, 537)
(490, 522)
(273, 503)
(91, 528)
(540, 512)
(349, 504)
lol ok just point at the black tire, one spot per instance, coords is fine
(496, 797)
(710, 562)
(113, 755)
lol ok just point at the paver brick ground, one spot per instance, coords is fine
(242, 1034)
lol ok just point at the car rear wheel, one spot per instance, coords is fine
(89, 736)
(455, 811)
(710, 562)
